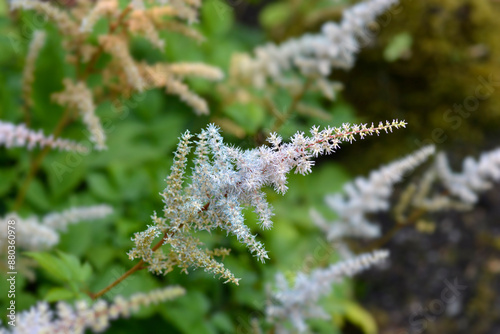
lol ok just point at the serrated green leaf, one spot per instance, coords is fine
(57, 294)
(79, 272)
(53, 266)
(85, 272)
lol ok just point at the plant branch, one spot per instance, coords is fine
(112, 28)
(139, 266)
(378, 243)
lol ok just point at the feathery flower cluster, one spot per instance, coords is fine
(36, 45)
(35, 234)
(122, 74)
(476, 175)
(313, 55)
(79, 97)
(298, 303)
(225, 179)
(12, 135)
(61, 18)
(171, 77)
(66, 319)
(364, 196)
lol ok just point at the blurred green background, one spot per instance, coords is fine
(423, 61)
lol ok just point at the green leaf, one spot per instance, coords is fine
(249, 116)
(79, 272)
(217, 17)
(101, 255)
(399, 46)
(274, 14)
(223, 322)
(56, 294)
(53, 266)
(65, 171)
(185, 313)
(101, 187)
(360, 317)
(85, 272)
(78, 238)
(8, 177)
(37, 195)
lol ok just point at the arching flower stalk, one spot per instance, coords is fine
(224, 180)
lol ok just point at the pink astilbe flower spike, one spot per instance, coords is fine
(366, 195)
(224, 180)
(298, 302)
(312, 55)
(76, 320)
(477, 175)
(35, 234)
(12, 135)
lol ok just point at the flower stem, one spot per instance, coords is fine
(137, 267)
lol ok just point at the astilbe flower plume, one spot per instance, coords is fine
(67, 319)
(298, 302)
(475, 177)
(12, 135)
(122, 75)
(224, 180)
(312, 55)
(35, 234)
(368, 195)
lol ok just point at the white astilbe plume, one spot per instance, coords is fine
(297, 303)
(172, 76)
(226, 179)
(314, 55)
(36, 45)
(100, 9)
(123, 74)
(34, 234)
(60, 220)
(367, 195)
(75, 320)
(12, 135)
(475, 177)
(61, 18)
(78, 96)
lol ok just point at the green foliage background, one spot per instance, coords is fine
(130, 174)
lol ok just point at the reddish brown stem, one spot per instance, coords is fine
(100, 49)
(139, 266)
